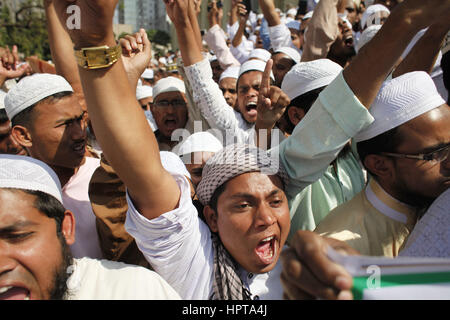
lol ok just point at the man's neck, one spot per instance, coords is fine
(64, 174)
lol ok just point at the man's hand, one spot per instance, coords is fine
(272, 101)
(178, 12)
(136, 55)
(9, 65)
(96, 18)
(308, 273)
(242, 14)
(213, 14)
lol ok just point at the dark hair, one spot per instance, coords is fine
(3, 116)
(26, 117)
(215, 197)
(385, 142)
(304, 101)
(49, 206)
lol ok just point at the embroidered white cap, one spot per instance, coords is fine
(143, 92)
(290, 52)
(370, 14)
(261, 54)
(230, 72)
(254, 65)
(199, 142)
(399, 101)
(168, 84)
(293, 24)
(148, 74)
(307, 76)
(26, 173)
(367, 35)
(32, 89)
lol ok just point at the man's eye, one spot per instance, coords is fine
(17, 237)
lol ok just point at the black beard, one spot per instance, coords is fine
(60, 291)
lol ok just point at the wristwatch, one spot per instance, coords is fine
(98, 57)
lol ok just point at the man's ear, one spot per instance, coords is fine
(295, 114)
(211, 218)
(380, 166)
(22, 136)
(68, 227)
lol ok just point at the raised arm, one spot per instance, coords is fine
(243, 16)
(268, 9)
(423, 55)
(112, 107)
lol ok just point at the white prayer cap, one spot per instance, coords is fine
(172, 163)
(151, 121)
(261, 54)
(232, 161)
(293, 24)
(260, 16)
(368, 15)
(399, 101)
(230, 72)
(290, 52)
(148, 74)
(308, 15)
(292, 12)
(143, 92)
(212, 57)
(253, 65)
(30, 90)
(367, 35)
(199, 142)
(2, 99)
(252, 38)
(168, 84)
(307, 76)
(26, 173)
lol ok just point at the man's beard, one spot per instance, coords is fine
(60, 290)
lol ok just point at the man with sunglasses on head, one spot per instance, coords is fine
(406, 153)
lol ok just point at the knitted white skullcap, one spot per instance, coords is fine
(307, 76)
(368, 15)
(151, 121)
(293, 24)
(261, 54)
(367, 35)
(290, 52)
(172, 163)
(292, 11)
(230, 72)
(308, 15)
(199, 142)
(148, 74)
(143, 92)
(232, 161)
(168, 84)
(2, 99)
(33, 89)
(253, 65)
(399, 101)
(22, 172)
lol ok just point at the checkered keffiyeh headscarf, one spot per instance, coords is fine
(234, 160)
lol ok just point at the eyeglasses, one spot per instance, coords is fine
(436, 156)
(165, 103)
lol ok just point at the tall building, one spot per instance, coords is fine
(147, 14)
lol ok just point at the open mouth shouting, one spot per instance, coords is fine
(251, 108)
(267, 250)
(14, 293)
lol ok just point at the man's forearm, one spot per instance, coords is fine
(268, 9)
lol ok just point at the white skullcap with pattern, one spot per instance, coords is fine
(307, 76)
(399, 101)
(32, 89)
(261, 54)
(168, 84)
(143, 92)
(290, 52)
(230, 72)
(26, 173)
(232, 161)
(254, 65)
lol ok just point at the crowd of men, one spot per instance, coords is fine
(224, 169)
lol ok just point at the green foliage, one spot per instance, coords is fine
(159, 37)
(28, 31)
